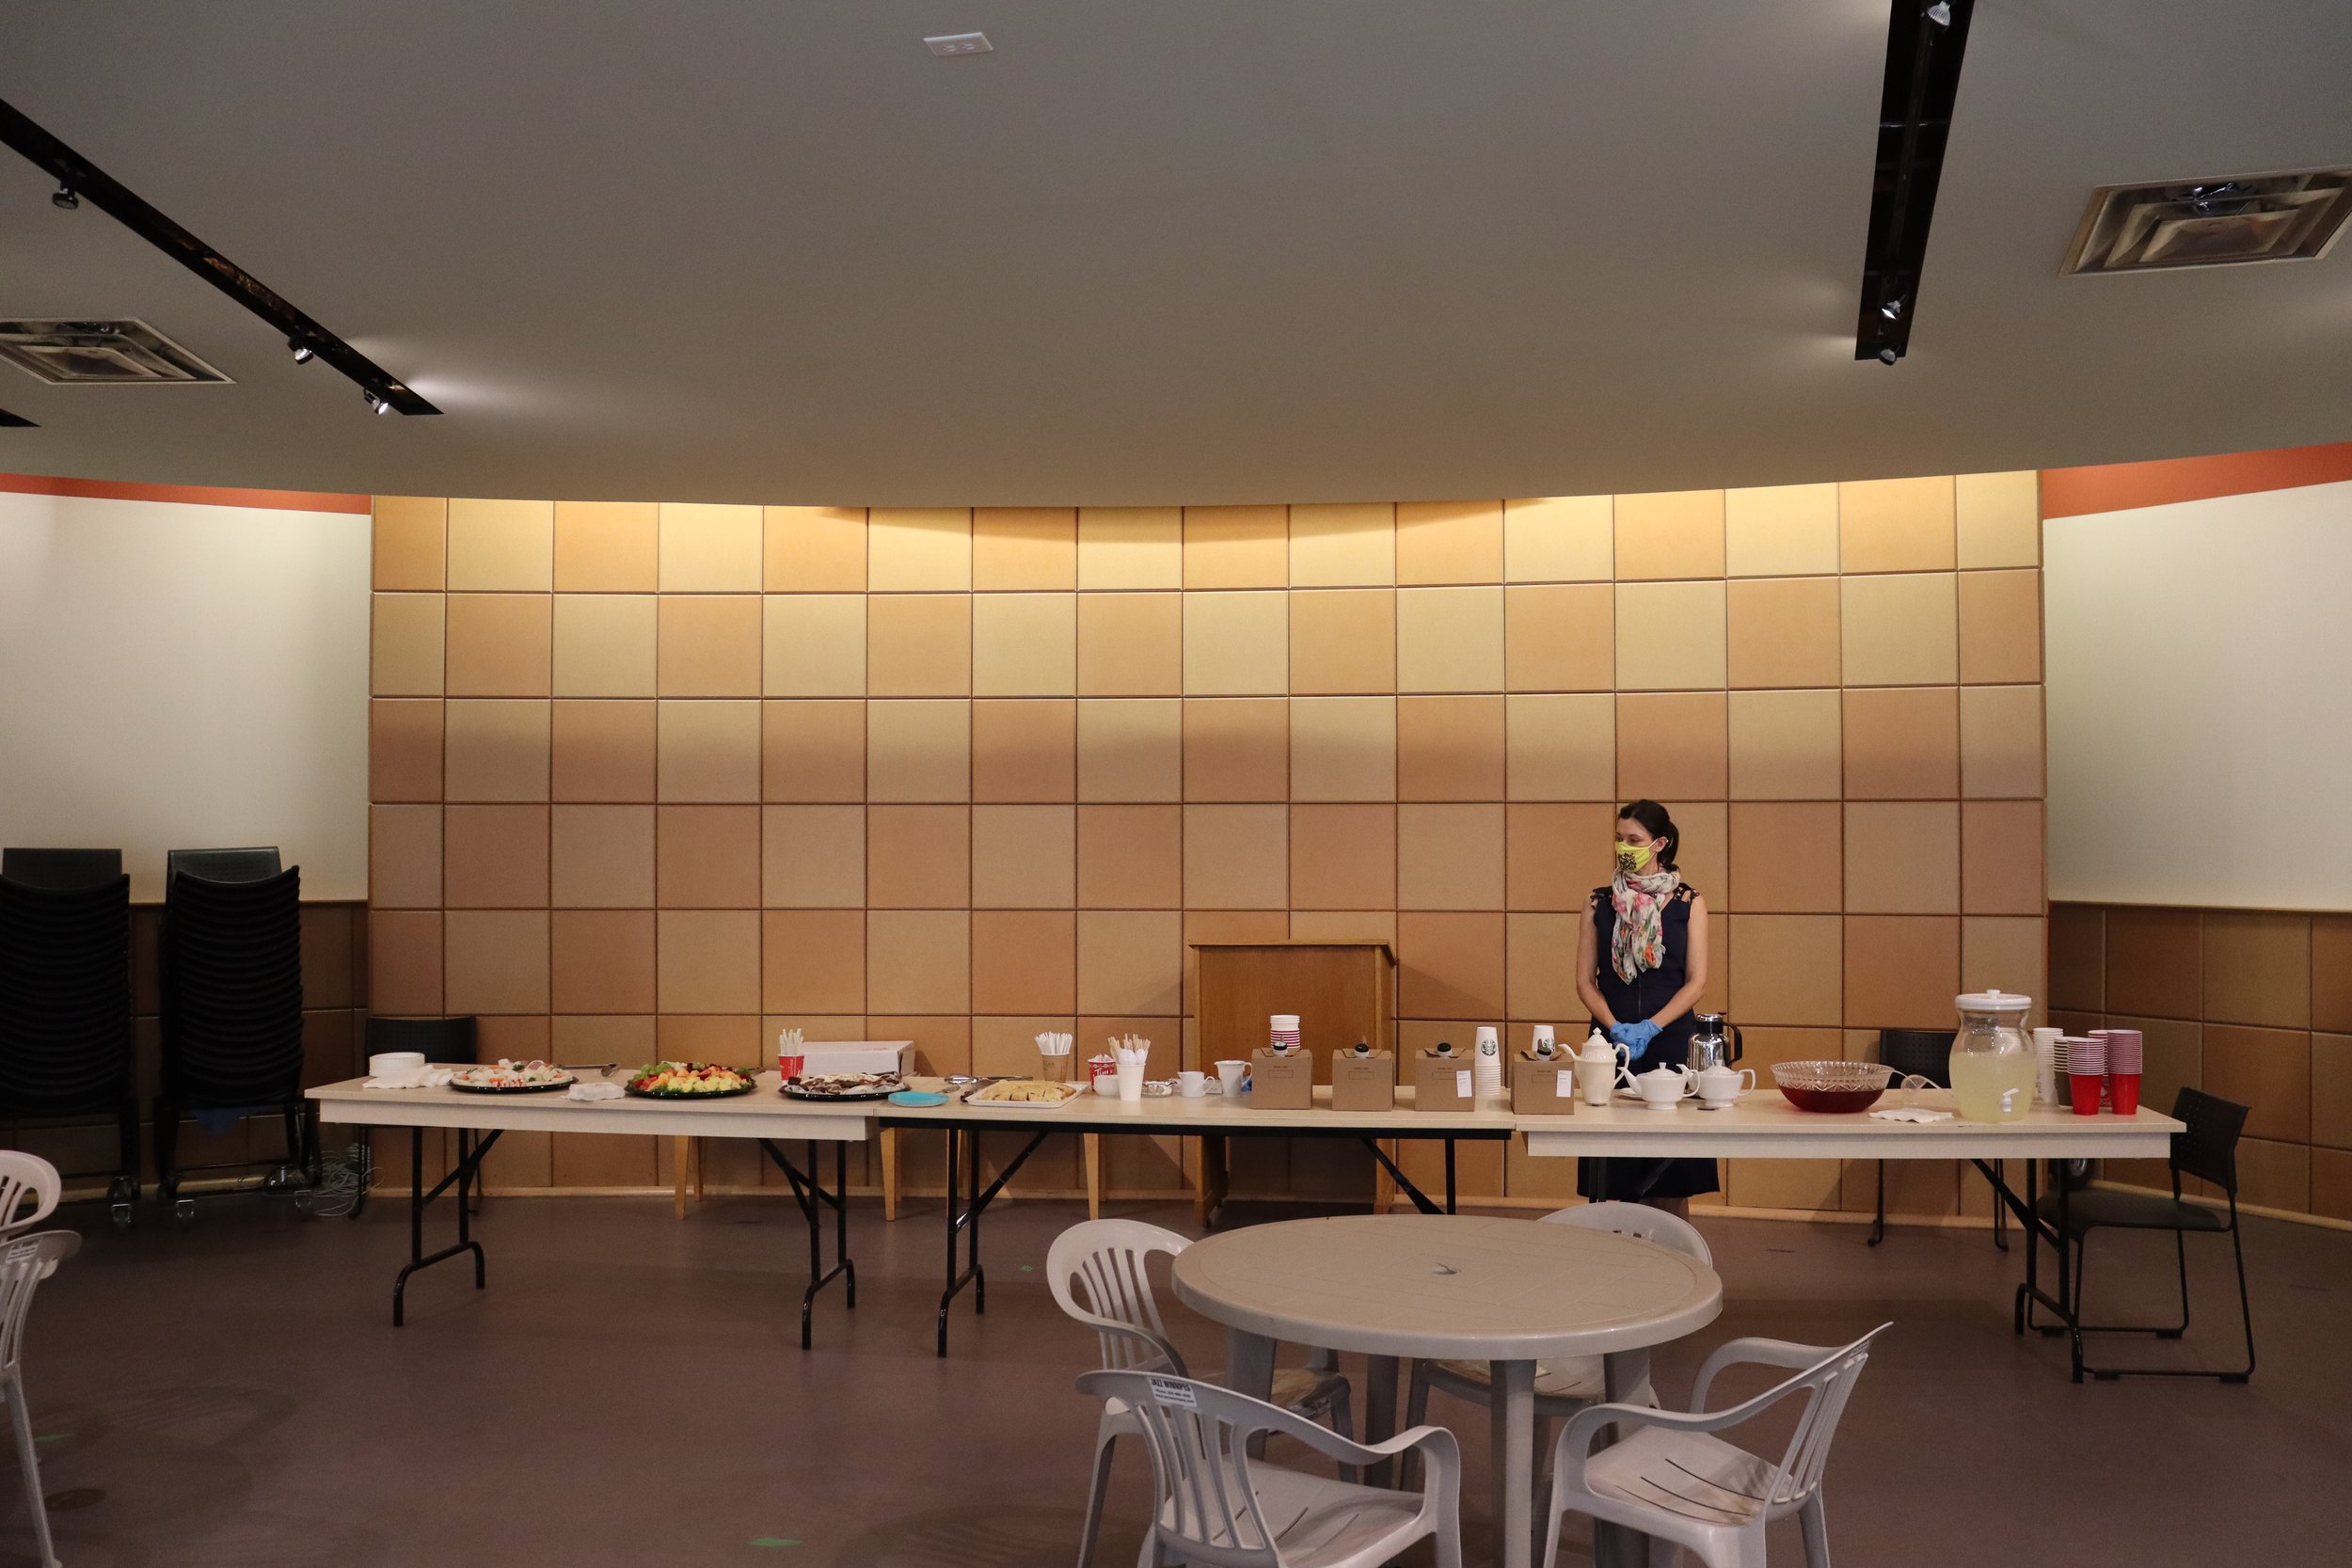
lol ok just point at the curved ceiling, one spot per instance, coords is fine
(1224, 250)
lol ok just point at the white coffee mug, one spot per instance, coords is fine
(1192, 1085)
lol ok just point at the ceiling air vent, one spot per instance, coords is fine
(101, 353)
(2211, 222)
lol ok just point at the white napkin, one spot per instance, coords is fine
(593, 1091)
(426, 1077)
(1909, 1113)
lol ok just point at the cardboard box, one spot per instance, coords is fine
(1364, 1082)
(1282, 1082)
(1443, 1083)
(1543, 1085)
(855, 1056)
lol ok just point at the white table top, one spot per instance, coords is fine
(1763, 1125)
(761, 1114)
(1213, 1113)
(1447, 1286)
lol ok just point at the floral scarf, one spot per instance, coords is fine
(1637, 942)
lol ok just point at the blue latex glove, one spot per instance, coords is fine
(1635, 1037)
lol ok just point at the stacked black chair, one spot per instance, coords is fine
(2206, 1150)
(436, 1039)
(1926, 1053)
(65, 999)
(232, 999)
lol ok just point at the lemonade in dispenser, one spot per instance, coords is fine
(1993, 1063)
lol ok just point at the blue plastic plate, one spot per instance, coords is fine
(917, 1097)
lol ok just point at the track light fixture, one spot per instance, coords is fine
(77, 177)
(1925, 42)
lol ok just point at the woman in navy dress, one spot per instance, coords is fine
(1641, 965)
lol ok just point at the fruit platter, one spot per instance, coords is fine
(690, 1081)
(505, 1076)
(843, 1085)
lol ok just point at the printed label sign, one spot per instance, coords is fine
(1462, 1084)
(1565, 1085)
(1168, 1390)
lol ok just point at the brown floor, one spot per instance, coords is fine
(629, 1393)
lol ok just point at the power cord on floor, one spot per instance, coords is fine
(343, 1179)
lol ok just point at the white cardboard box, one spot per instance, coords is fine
(856, 1056)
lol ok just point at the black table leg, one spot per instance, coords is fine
(808, 1191)
(1421, 1200)
(1450, 1185)
(967, 1200)
(2027, 1212)
(468, 1169)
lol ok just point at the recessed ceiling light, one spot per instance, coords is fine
(960, 43)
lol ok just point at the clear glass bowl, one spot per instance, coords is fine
(1832, 1087)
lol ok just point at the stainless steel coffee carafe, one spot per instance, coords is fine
(1714, 1043)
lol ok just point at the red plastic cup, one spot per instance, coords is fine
(2084, 1087)
(791, 1067)
(2124, 1093)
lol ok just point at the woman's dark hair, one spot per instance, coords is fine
(1654, 822)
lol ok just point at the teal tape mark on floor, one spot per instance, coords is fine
(774, 1540)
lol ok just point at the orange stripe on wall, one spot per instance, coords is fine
(192, 495)
(2120, 486)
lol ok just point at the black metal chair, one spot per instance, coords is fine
(65, 1000)
(1928, 1054)
(61, 870)
(2208, 1151)
(223, 865)
(231, 1005)
(436, 1039)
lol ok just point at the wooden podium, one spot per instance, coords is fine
(1343, 992)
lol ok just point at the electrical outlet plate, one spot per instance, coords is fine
(960, 43)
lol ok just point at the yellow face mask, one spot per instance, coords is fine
(1633, 858)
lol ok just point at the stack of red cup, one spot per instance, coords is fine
(2123, 1062)
(2086, 1071)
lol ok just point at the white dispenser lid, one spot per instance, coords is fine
(1993, 1002)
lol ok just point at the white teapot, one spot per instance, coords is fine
(1720, 1086)
(1663, 1087)
(1599, 1067)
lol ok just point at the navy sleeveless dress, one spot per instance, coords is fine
(1629, 1180)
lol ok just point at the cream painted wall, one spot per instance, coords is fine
(2198, 657)
(175, 676)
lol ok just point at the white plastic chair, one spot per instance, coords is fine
(1562, 1388)
(1215, 1506)
(1109, 1260)
(20, 1174)
(26, 1261)
(1669, 1476)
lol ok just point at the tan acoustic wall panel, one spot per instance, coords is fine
(690, 774)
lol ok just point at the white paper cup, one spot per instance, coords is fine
(1131, 1080)
(1229, 1076)
(1192, 1085)
(385, 1063)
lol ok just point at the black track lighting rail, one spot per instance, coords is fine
(79, 179)
(15, 421)
(1925, 42)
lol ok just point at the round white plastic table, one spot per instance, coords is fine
(1441, 1287)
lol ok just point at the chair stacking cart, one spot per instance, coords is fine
(65, 1000)
(231, 1005)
